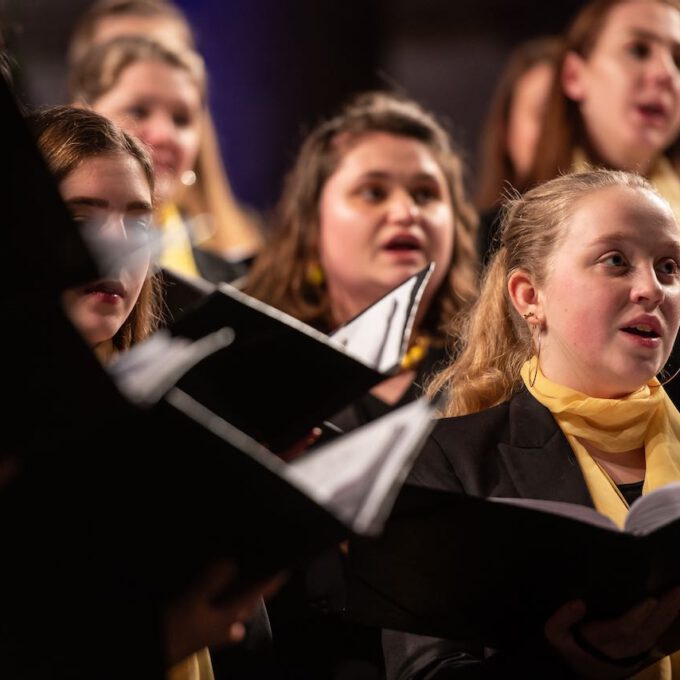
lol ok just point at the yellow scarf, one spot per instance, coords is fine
(195, 667)
(177, 254)
(647, 416)
(662, 176)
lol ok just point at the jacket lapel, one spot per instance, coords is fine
(538, 457)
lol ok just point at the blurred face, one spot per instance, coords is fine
(611, 301)
(161, 105)
(385, 213)
(155, 27)
(110, 191)
(628, 89)
(526, 115)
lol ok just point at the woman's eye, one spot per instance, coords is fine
(425, 195)
(182, 120)
(373, 193)
(668, 267)
(88, 222)
(138, 112)
(615, 260)
(139, 223)
(639, 49)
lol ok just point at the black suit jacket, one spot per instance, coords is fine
(515, 450)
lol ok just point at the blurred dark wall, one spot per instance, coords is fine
(277, 67)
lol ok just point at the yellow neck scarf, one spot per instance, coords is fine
(177, 254)
(645, 417)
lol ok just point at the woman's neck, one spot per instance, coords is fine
(625, 467)
(619, 158)
(104, 351)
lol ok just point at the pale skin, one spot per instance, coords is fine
(608, 311)
(384, 214)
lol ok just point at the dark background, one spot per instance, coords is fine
(277, 66)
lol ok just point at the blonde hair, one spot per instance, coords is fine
(493, 339)
(101, 67)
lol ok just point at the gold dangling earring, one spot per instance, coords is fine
(532, 380)
(314, 274)
(667, 380)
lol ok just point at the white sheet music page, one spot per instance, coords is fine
(358, 476)
(148, 370)
(380, 334)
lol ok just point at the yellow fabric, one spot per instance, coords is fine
(195, 667)
(177, 254)
(663, 177)
(647, 416)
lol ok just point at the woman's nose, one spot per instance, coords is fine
(403, 208)
(114, 227)
(158, 129)
(663, 68)
(647, 289)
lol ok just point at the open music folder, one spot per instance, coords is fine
(266, 373)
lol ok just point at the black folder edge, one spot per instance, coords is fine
(374, 602)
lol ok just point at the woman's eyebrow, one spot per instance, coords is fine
(651, 36)
(88, 201)
(92, 202)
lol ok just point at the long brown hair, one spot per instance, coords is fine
(280, 275)
(493, 340)
(563, 130)
(496, 166)
(66, 137)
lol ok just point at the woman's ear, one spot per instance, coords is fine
(524, 294)
(573, 76)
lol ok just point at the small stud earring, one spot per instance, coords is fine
(528, 315)
(188, 178)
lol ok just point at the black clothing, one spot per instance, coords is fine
(312, 639)
(180, 292)
(515, 450)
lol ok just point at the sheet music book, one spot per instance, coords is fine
(278, 377)
(450, 564)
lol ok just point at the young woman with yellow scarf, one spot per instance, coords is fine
(557, 385)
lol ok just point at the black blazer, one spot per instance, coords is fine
(516, 450)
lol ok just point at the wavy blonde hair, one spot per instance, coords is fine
(492, 338)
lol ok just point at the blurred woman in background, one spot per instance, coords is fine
(615, 100)
(512, 128)
(207, 191)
